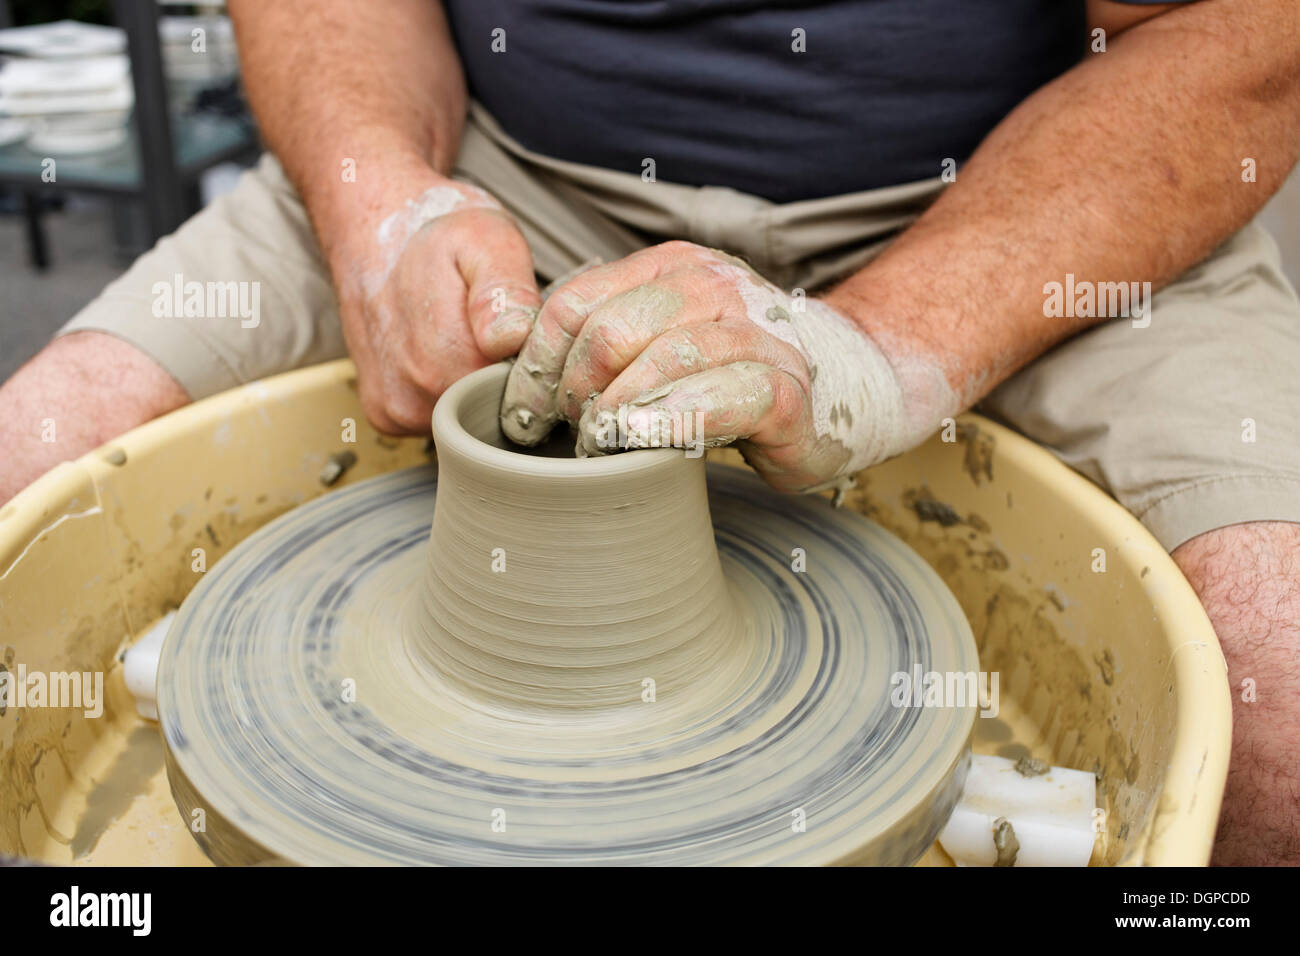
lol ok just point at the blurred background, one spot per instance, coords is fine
(118, 120)
(121, 118)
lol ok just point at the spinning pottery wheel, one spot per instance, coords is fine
(588, 661)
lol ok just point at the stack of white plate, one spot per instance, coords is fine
(67, 87)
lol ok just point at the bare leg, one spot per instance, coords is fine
(1248, 578)
(77, 393)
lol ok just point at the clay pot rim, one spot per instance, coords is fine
(450, 435)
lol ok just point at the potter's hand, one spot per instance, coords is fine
(685, 346)
(434, 286)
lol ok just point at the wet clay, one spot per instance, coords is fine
(1005, 842)
(587, 661)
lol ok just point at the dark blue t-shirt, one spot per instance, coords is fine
(715, 93)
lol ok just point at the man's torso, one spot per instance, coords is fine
(784, 100)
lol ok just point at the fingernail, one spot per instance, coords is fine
(522, 426)
(598, 432)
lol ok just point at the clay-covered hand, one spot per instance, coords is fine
(686, 346)
(431, 287)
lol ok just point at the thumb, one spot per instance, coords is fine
(502, 298)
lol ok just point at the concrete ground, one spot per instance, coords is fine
(34, 305)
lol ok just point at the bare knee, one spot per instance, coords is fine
(77, 393)
(1248, 578)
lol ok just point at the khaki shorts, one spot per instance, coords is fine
(1192, 423)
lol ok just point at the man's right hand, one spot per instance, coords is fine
(377, 88)
(434, 282)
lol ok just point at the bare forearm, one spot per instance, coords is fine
(1127, 168)
(377, 83)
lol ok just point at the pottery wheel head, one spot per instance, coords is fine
(591, 661)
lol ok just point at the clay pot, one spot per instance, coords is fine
(566, 581)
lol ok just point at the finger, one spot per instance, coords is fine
(686, 351)
(616, 333)
(392, 400)
(502, 298)
(403, 411)
(743, 400)
(560, 280)
(415, 346)
(528, 408)
(427, 343)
